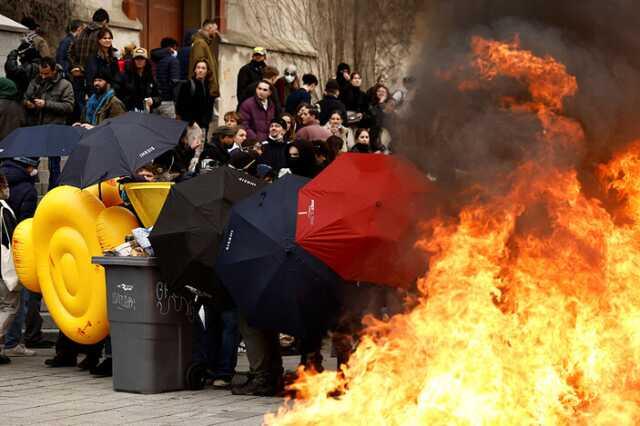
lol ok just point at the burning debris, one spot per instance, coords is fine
(530, 311)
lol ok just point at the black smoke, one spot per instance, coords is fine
(467, 137)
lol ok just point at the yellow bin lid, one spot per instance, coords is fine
(147, 199)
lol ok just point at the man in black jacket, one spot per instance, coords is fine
(251, 72)
(274, 149)
(330, 103)
(167, 74)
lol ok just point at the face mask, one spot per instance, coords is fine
(34, 173)
(6, 193)
(289, 78)
(174, 53)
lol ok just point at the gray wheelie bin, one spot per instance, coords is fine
(151, 329)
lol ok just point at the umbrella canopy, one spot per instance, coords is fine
(190, 226)
(359, 216)
(49, 140)
(275, 283)
(119, 147)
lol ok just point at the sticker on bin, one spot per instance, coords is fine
(121, 299)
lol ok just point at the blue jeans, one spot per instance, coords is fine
(14, 334)
(54, 172)
(217, 344)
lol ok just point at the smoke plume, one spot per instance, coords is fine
(466, 137)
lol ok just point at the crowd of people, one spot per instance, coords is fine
(278, 127)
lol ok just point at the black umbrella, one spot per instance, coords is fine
(119, 147)
(188, 231)
(275, 283)
(49, 140)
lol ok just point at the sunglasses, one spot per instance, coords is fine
(289, 73)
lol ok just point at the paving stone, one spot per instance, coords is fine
(31, 393)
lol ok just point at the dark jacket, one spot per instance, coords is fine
(194, 103)
(11, 111)
(183, 54)
(214, 151)
(107, 65)
(167, 71)
(296, 98)
(23, 195)
(20, 73)
(11, 116)
(134, 88)
(58, 96)
(274, 153)
(329, 104)
(257, 119)
(354, 99)
(62, 54)
(248, 74)
(85, 47)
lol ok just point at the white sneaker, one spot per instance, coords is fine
(19, 350)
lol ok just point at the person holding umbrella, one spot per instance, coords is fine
(103, 104)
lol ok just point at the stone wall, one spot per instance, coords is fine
(10, 34)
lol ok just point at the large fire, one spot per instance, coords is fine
(530, 311)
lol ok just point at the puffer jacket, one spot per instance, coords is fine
(167, 72)
(58, 96)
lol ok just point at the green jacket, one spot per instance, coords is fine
(202, 47)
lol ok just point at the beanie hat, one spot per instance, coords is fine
(279, 121)
(8, 89)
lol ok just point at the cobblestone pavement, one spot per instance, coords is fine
(31, 393)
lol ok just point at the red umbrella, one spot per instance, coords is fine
(359, 216)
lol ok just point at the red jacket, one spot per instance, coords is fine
(257, 118)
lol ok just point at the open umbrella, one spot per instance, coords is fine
(188, 231)
(119, 147)
(49, 140)
(275, 283)
(359, 216)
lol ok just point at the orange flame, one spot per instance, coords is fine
(530, 312)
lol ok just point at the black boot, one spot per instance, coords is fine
(88, 363)
(257, 387)
(60, 361)
(104, 369)
(4, 359)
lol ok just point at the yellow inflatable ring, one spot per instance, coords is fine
(74, 289)
(114, 223)
(108, 192)
(24, 255)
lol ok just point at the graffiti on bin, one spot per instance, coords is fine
(120, 299)
(167, 301)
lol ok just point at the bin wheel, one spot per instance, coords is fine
(195, 376)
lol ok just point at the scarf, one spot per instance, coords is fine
(94, 104)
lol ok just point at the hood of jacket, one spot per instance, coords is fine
(15, 173)
(160, 53)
